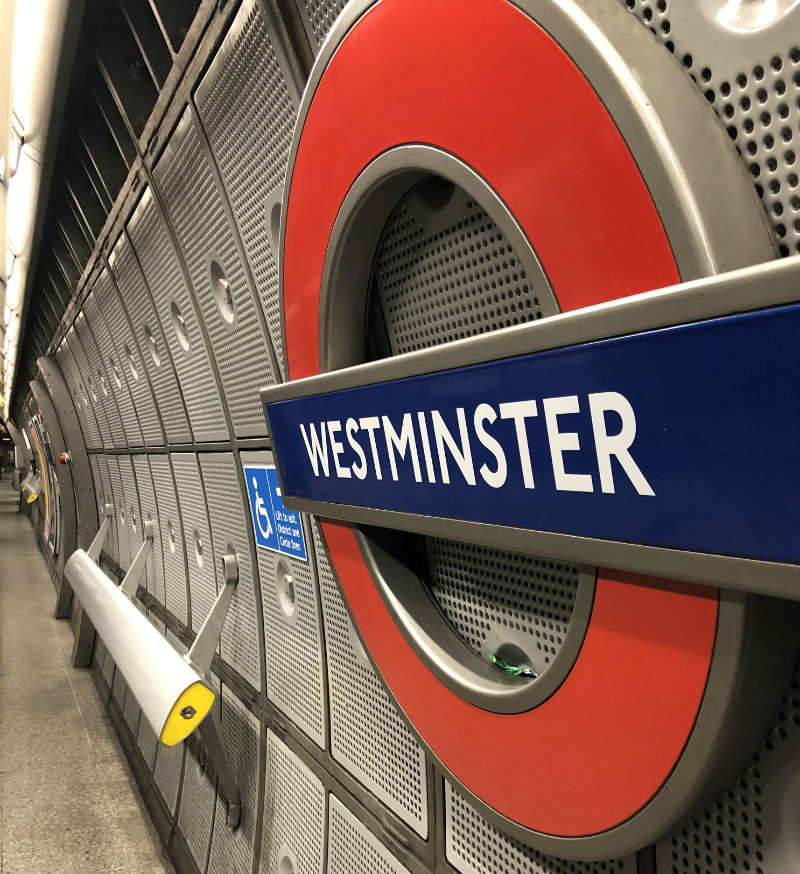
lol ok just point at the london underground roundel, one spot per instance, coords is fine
(593, 171)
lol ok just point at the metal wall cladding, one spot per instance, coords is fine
(121, 512)
(128, 360)
(119, 689)
(155, 353)
(171, 537)
(85, 354)
(159, 262)
(104, 494)
(108, 668)
(154, 576)
(293, 631)
(196, 535)
(108, 404)
(752, 826)
(388, 761)
(239, 643)
(318, 18)
(147, 742)
(117, 386)
(133, 509)
(474, 846)
(293, 835)
(131, 713)
(84, 411)
(233, 851)
(169, 762)
(353, 847)
(251, 79)
(239, 345)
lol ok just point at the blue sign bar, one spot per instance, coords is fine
(685, 438)
(275, 527)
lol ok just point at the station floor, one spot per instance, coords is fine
(68, 801)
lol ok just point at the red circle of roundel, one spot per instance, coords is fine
(483, 81)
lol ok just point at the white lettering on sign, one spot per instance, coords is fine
(423, 439)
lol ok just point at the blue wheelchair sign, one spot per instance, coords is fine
(275, 527)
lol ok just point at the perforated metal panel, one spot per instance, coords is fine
(147, 742)
(108, 667)
(157, 358)
(122, 513)
(752, 826)
(293, 835)
(249, 78)
(240, 646)
(132, 714)
(154, 575)
(198, 798)
(133, 508)
(368, 736)
(105, 494)
(159, 262)
(196, 536)
(108, 403)
(119, 688)
(171, 536)
(745, 58)
(98, 654)
(233, 851)
(353, 847)
(117, 385)
(473, 846)
(292, 626)
(318, 18)
(128, 361)
(169, 762)
(80, 399)
(494, 598)
(195, 210)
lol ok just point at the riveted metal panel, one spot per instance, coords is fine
(171, 536)
(318, 18)
(353, 847)
(294, 684)
(157, 357)
(233, 851)
(391, 764)
(129, 361)
(117, 383)
(196, 536)
(293, 835)
(121, 519)
(249, 78)
(159, 262)
(105, 495)
(239, 643)
(154, 576)
(473, 846)
(84, 410)
(196, 212)
(169, 763)
(107, 408)
(752, 825)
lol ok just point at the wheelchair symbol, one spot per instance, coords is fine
(261, 511)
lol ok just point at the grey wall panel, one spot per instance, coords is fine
(157, 357)
(119, 689)
(391, 764)
(250, 78)
(108, 668)
(84, 376)
(147, 742)
(159, 262)
(83, 410)
(353, 847)
(233, 851)
(318, 18)
(196, 535)
(292, 625)
(473, 846)
(104, 493)
(132, 714)
(133, 507)
(171, 535)
(121, 513)
(154, 576)
(117, 381)
(108, 405)
(196, 212)
(197, 804)
(293, 835)
(240, 646)
(130, 363)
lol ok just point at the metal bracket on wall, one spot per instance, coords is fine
(130, 584)
(200, 656)
(97, 544)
